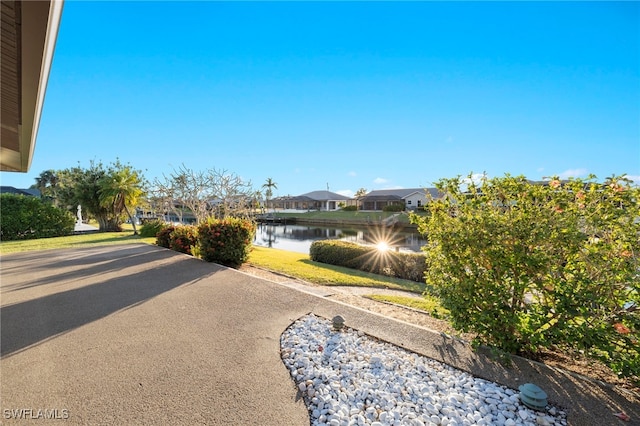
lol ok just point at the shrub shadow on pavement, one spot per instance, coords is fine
(129, 278)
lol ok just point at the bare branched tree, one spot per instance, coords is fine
(205, 194)
(234, 196)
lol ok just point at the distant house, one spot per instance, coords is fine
(315, 200)
(12, 190)
(409, 198)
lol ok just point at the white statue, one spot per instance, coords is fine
(79, 214)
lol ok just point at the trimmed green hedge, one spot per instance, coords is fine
(393, 208)
(25, 217)
(407, 266)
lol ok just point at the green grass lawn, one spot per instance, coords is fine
(71, 241)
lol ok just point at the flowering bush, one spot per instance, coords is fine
(527, 266)
(226, 241)
(183, 238)
(163, 237)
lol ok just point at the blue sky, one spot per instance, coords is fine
(370, 95)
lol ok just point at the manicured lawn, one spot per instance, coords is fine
(300, 266)
(82, 240)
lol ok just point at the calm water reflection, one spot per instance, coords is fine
(298, 238)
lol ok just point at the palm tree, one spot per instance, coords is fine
(120, 190)
(360, 193)
(47, 183)
(255, 202)
(270, 184)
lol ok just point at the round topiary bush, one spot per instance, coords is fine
(226, 241)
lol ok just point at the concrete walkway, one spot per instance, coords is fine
(83, 227)
(136, 334)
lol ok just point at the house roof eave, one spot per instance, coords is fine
(27, 53)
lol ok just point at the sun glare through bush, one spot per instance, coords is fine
(382, 246)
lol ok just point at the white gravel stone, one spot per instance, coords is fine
(348, 378)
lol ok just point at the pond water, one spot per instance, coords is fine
(298, 238)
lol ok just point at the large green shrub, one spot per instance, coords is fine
(183, 238)
(369, 259)
(528, 266)
(24, 217)
(150, 228)
(226, 241)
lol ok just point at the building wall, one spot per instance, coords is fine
(416, 200)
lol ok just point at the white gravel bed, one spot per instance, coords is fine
(348, 378)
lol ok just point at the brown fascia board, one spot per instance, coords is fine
(10, 83)
(39, 23)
